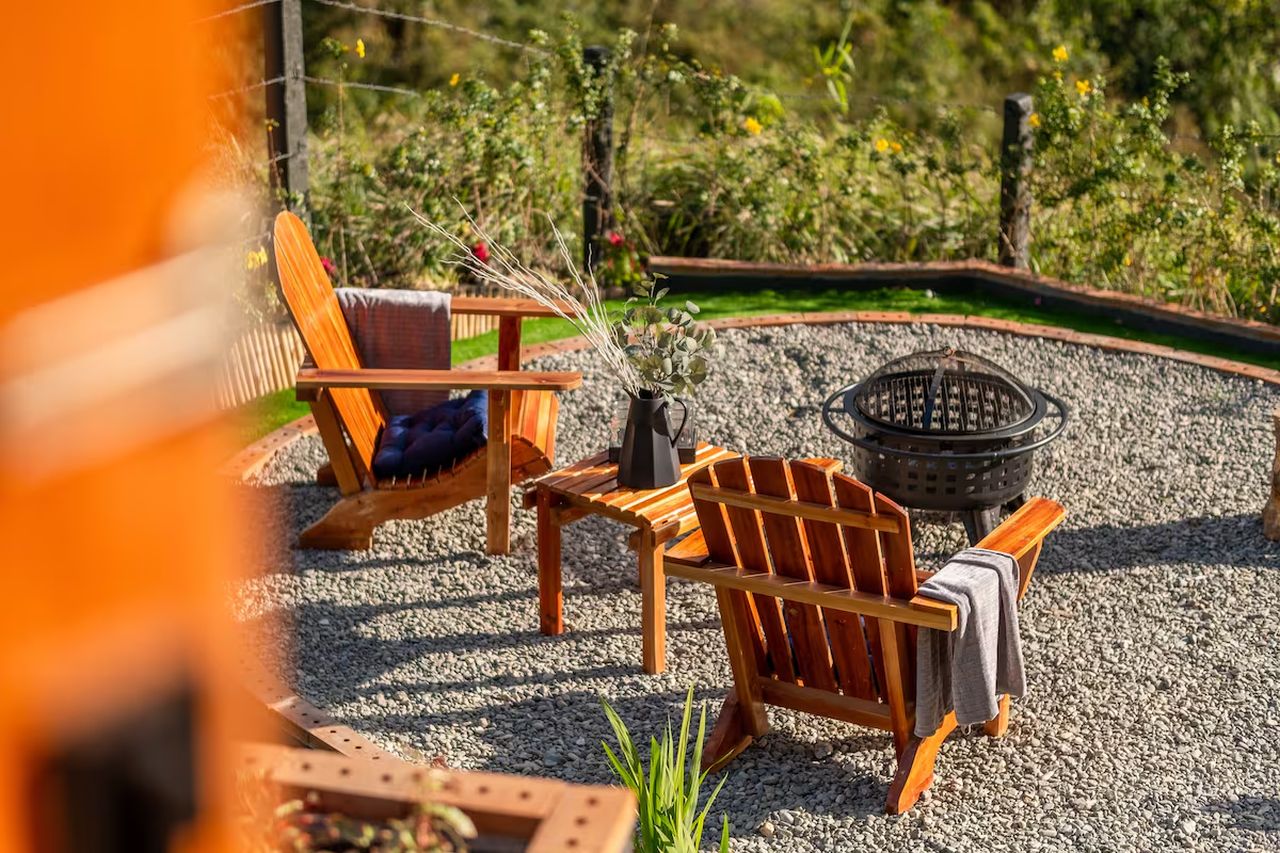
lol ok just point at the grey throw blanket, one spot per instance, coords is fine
(968, 668)
(400, 328)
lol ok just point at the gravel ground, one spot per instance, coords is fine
(1153, 656)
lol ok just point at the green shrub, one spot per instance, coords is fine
(708, 165)
(668, 819)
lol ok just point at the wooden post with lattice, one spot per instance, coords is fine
(1271, 513)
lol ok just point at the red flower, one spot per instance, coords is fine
(330, 267)
(615, 239)
(481, 251)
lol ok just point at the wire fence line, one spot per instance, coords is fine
(887, 99)
(430, 22)
(261, 84)
(235, 11)
(355, 84)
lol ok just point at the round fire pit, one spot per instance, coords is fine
(945, 430)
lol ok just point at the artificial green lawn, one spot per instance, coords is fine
(267, 413)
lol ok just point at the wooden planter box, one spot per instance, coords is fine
(510, 812)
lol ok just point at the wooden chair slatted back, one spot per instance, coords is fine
(318, 316)
(803, 643)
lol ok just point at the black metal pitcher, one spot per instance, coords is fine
(649, 459)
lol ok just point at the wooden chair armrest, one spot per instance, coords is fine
(310, 380)
(921, 611)
(1026, 528)
(500, 306)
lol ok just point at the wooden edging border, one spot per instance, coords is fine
(313, 727)
(251, 460)
(984, 276)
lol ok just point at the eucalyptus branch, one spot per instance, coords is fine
(577, 301)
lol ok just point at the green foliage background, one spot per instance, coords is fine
(740, 135)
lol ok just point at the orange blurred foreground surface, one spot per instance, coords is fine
(115, 676)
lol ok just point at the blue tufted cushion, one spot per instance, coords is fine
(433, 439)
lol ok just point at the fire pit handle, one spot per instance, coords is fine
(1062, 413)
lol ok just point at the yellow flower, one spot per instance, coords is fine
(1060, 53)
(751, 126)
(1034, 120)
(453, 81)
(1128, 261)
(1084, 87)
(896, 146)
(882, 145)
(360, 48)
(255, 258)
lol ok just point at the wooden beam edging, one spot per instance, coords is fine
(990, 277)
(249, 461)
(254, 458)
(303, 722)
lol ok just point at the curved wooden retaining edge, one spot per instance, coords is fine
(1140, 311)
(302, 722)
(251, 460)
(313, 727)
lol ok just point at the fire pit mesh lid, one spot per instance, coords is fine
(944, 391)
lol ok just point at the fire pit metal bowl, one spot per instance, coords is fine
(946, 430)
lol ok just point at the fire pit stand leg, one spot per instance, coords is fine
(979, 522)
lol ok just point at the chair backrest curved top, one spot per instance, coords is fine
(799, 521)
(318, 316)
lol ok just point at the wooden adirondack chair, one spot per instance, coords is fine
(350, 414)
(816, 584)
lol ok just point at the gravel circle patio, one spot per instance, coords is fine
(1150, 630)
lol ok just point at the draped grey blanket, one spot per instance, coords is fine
(400, 328)
(968, 668)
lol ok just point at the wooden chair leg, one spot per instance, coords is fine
(728, 737)
(325, 475)
(743, 716)
(915, 768)
(1000, 725)
(653, 604)
(550, 585)
(498, 491)
(345, 527)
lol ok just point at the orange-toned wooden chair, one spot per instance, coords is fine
(350, 414)
(816, 584)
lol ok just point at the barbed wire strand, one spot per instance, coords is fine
(431, 22)
(234, 11)
(261, 84)
(887, 99)
(355, 84)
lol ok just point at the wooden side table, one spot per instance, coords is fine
(590, 487)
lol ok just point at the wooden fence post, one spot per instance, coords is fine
(1015, 189)
(286, 100)
(597, 165)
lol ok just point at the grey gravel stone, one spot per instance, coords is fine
(1148, 631)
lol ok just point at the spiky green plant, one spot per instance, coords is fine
(668, 819)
